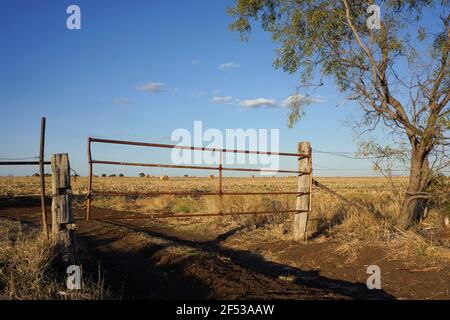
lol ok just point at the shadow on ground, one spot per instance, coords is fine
(22, 202)
(211, 271)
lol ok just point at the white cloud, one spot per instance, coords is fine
(152, 87)
(228, 66)
(122, 101)
(226, 99)
(264, 102)
(258, 102)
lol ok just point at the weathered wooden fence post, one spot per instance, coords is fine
(62, 218)
(304, 190)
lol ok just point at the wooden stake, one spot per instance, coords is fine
(303, 200)
(42, 180)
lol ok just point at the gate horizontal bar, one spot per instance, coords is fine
(190, 193)
(172, 146)
(22, 163)
(173, 215)
(157, 165)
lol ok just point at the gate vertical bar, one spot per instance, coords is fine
(220, 183)
(88, 205)
(42, 179)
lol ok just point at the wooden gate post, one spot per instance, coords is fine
(304, 190)
(62, 218)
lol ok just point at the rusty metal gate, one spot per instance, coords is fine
(220, 193)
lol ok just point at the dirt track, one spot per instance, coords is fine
(150, 259)
(153, 262)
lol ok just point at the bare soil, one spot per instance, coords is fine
(154, 259)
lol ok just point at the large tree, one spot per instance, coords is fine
(398, 74)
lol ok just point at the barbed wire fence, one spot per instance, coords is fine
(350, 155)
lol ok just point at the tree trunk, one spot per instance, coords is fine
(414, 203)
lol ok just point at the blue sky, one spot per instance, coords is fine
(137, 70)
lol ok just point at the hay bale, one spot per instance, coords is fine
(211, 177)
(148, 176)
(164, 178)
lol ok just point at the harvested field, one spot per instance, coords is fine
(246, 257)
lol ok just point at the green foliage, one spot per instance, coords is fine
(297, 105)
(314, 37)
(385, 158)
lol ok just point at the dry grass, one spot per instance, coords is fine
(24, 266)
(28, 270)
